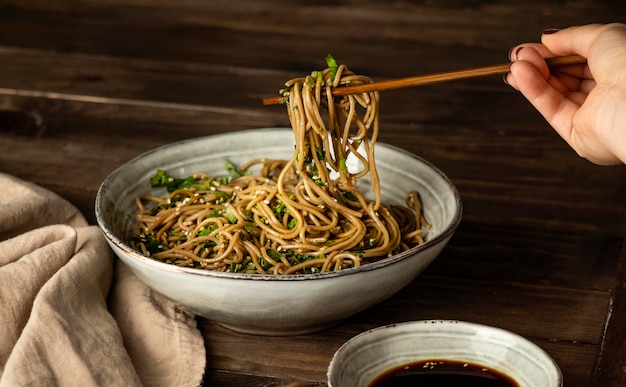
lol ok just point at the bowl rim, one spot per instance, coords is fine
(117, 242)
(552, 364)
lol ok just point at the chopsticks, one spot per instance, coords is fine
(435, 78)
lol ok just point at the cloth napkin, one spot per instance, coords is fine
(71, 314)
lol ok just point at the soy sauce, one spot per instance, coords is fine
(443, 373)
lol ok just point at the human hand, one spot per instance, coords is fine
(584, 103)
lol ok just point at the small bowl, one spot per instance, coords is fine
(365, 357)
(269, 304)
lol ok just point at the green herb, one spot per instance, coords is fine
(216, 213)
(264, 264)
(230, 216)
(162, 179)
(209, 230)
(342, 165)
(280, 209)
(315, 78)
(233, 171)
(296, 259)
(154, 210)
(275, 255)
(350, 196)
(347, 197)
(242, 267)
(152, 244)
(332, 65)
(321, 155)
(248, 214)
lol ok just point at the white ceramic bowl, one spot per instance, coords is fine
(366, 356)
(268, 304)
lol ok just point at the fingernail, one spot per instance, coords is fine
(510, 52)
(504, 78)
(550, 31)
(517, 52)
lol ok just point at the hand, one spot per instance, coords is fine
(585, 104)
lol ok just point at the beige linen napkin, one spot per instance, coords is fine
(71, 314)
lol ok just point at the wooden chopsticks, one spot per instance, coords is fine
(435, 78)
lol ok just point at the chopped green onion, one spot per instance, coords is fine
(332, 65)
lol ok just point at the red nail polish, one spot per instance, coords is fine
(550, 31)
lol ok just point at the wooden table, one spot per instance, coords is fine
(87, 85)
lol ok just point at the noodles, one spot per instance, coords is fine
(302, 215)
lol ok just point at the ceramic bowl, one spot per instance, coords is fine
(269, 304)
(365, 357)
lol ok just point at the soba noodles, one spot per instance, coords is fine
(302, 215)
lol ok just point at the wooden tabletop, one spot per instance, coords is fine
(87, 85)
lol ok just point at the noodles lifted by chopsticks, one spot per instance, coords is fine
(302, 215)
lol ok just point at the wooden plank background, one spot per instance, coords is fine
(93, 83)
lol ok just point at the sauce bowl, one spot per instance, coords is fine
(365, 357)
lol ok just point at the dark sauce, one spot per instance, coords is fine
(443, 373)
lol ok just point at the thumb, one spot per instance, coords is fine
(572, 40)
(601, 44)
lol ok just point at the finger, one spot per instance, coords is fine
(602, 44)
(565, 83)
(548, 100)
(533, 53)
(540, 48)
(533, 56)
(572, 40)
(577, 97)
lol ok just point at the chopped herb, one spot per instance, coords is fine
(264, 264)
(230, 216)
(154, 210)
(152, 244)
(280, 209)
(342, 165)
(162, 179)
(233, 171)
(216, 213)
(248, 214)
(221, 194)
(209, 230)
(332, 65)
(275, 255)
(347, 197)
(350, 196)
(321, 155)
